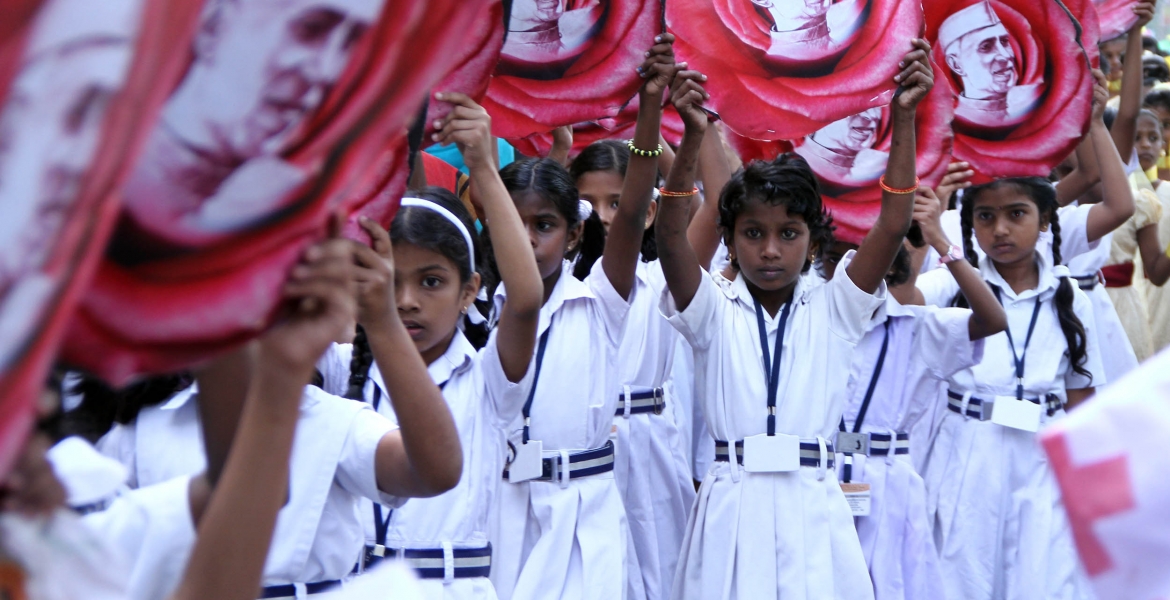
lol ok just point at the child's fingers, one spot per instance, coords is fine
(379, 237)
(914, 68)
(957, 166)
(458, 98)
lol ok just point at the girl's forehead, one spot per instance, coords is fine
(409, 256)
(530, 202)
(762, 210)
(1003, 197)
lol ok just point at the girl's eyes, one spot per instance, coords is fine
(1016, 214)
(752, 233)
(789, 234)
(613, 205)
(983, 216)
(544, 226)
(431, 282)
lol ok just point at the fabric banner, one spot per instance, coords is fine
(782, 69)
(1085, 12)
(278, 122)
(1115, 16)
(1020, 81)
(1109, 456)
(618, 128)
(569, 61)
(81, 84)
(477, 55)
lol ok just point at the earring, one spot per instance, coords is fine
(1043, 228)
(463, 311)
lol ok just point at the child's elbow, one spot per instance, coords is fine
(444, 478)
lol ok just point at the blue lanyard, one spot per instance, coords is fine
(1019, 358)
(772, 369)
(535, 378)
(877, 373)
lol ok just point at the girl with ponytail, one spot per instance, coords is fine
(990, 492)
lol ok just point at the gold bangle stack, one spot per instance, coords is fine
(669, 194)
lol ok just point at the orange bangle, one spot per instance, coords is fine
(668, 194)
(909, 190)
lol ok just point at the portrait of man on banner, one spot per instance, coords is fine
(842, 153)
(50, 127)
(215, 165)
(811, 30)
(982, 55)
(547, 35)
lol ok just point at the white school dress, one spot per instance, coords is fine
(786, 535)
(917, 348)
(652, 466)
(998, 523)
(454, 525)
(567, 538)
(319, 534)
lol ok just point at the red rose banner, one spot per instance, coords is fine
(569, 61)
(1085, 12)
(1115, 16)
(781, 69)
(87, 81)
(379, 201)
(748, 149)
(285, 108)
(477, 55)
(1020, 80)
(619, 128)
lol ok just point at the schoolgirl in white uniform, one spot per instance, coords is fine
(771, 520)
(899, 369)
(652, 466)
(435, 247)
(997, 520)
(562, 529)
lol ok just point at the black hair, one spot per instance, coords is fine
(1043, 195)
(549, 179)
(102, 406)
(611, 155)
(1154, 70)
(1159, 98)
(787, 180)
(899, 272)
(1109, 116)
(1145, 112)
(432, 231)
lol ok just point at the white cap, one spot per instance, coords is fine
(65, 22)
(969, 20)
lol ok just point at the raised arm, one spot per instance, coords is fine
(703, 232)
(680, 266)
(878, 249)
(1116, 205)
(469, 126)
(424, 457)
(562, 144)
(623, 243)
(1087, 172)
(957, 177)
(1131, 83)
(229, 555)
(987, 315)
(1155, 260)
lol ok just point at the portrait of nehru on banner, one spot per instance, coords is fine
(551, 32)
(983, 58)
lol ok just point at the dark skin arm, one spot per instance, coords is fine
(1076, 397)
(1131, 83)
(987, 315)
(703, 233)
(680, 265)
(623, 244)
(880, 246)
(1154, 260)
(228, 559)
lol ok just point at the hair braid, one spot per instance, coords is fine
(359, 366)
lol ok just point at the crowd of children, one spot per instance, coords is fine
(630, 377)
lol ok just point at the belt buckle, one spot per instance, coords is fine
(659, 400)
(852, 443)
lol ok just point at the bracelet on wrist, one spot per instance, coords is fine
(644, 153)
(669, 194)
(909, 190)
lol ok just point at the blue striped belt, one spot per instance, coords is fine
(289, 590)
(581, 464)
(980, 409)
(810, 453)
(650, 401)
(431, 563)
(873, 444)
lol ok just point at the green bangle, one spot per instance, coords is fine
(644, 153)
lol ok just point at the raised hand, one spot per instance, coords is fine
(373, 273)
(1145, 13)
(916, 78)
(927, 213)
(958, 177)
(562, 144)
(659, 67)
(687, 95)
(469, 127)
(1100, 94)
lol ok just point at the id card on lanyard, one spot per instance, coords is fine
(528, 462)
(1018, 413)
(772, 452)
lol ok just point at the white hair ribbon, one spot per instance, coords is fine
(450, 216)
(584, 209)
(1060, 272)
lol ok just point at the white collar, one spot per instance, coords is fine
(567, 288)
(1046, 285)
(456, 359)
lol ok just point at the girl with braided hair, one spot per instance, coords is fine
(991, 495)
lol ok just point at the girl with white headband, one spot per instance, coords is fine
(562, 529)
(436, 254)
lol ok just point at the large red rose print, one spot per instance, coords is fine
(569, 61)
(263, 139)
(1019, 78)
(781, 69)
